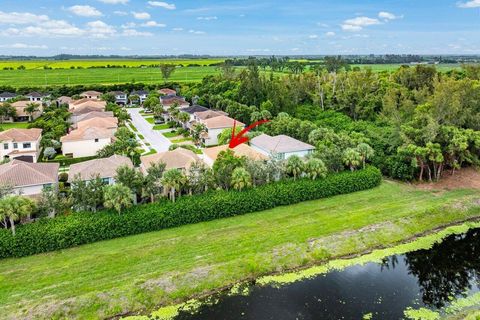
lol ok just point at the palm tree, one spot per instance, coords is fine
(117, 196)
(173, 110)
(183, 117)
(152, 185)
(294, 166)
(241, 179)
(352, 158)
(7, 111)
(14, 208)
(366, 152)
(30, 109)
(315, 168)
(133, 98)
(173, 180)
(198, 130)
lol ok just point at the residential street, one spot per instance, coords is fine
(154, 137)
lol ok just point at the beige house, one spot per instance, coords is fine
(22, 144)
(29, 179)
(242, 150)
(85, 102)
(64, 100)
(105, 168)
(90, 115)
(176, 159)
(22, 115)
(94, 95)
(85, 142)
(110, 123)
(281, 147)
(215, 126)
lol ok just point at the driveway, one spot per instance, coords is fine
(154, 137)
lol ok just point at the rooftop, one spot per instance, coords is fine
(105, 167)
(179, 158)
(194, 108)
(89, 133)
(241, 150)
(221, 122)
(280, 144)
(99, 122)
(19, 173)
(21, 135)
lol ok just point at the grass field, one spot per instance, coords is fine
(21, 125)
(159, 268)
(393, 67)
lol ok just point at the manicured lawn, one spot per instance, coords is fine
(170, 134)
(161, 126)
(150, 120)
(140, 136)
(159, 268)
(6, 126)
(181, 140)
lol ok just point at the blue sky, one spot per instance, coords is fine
(248, 27)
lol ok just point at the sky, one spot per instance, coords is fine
(248, 27)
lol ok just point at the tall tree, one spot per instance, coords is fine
(118, 197)
(173, 180)
(167, 70)
(241, 179)
(15, 208)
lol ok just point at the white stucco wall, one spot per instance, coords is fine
(34, 149)
(84, 148)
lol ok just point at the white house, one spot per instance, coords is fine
(120, 97)
(214, 126)
(36, 96)
(85, 142)
(142, 95)
(29, 179)
(22, 144)
(105, 168)
(6, 96)
(280, 147)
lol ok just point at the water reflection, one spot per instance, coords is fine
(425, 278)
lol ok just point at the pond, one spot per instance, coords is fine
(428, 279)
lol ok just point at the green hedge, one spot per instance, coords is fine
(80, 228)
(64, 161)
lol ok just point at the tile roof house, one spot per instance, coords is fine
(5, 96)
(215, 126)
(90, 115)
(198, 116)
(86, 102)
(281, 146)
(167, 92)
(168, 101)
(22, 115)
(110, 123)
(242, 150)
(94, 95)
(85, 142)
(22, 144)
(64, 100)
(105, 168)
(29, 179)
(179, 158)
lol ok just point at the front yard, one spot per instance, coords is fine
(141, 272)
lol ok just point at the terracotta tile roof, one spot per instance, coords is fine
(19, 173)
(94, 114)
(169, 100)
(105, 167)
(83, 109)
(64, 100)
(280, 144)
(85, 102)
(20, 135)
(87, 134)
(167, 91)
(179, 158)
(221, 122)
(99, 122)
(239, 151)
(90, 93)
(203, 115)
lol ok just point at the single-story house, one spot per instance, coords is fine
(90, 115)
(22, 144)
(215, 126)
(142, 95)
(94, 95)
(85, 142)
(64, 100)
(281, 147)
(208, 114)
(120, 97)
(37, 96)
(105, 168)
(242, 150)
(6, 96)
(168, 101)
(22, 115)
(110, 123)
(179, 158)
(29, 179)
(167, 92)
(85, 102)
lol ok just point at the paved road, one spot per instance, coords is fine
(155, 138)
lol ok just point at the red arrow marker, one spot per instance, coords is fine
(239, 138)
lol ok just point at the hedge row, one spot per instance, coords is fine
(80, 228)
(64, 161)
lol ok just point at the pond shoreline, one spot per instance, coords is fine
(170, 310)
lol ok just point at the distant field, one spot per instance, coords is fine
(392, 67)
(66, 64)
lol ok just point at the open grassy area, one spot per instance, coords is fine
(170, 134)
(161, 126)
(21, 125)
(159, 268)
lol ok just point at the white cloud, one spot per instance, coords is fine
(99, 29)
(153, 24)
(85, 11)
(128, 25)
(141, 15)
(469, 4)
(330, 34)
(313, 36)
(17, 18)
(125, 48)
(135, 33)
(388, 16)
(207, 18)
(120, 13)
(23, 46)
(196, 31)
(358, 23)
(114, 1)
(177, 29)
(161, 4)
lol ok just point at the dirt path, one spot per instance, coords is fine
(467, 178)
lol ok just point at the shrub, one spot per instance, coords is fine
(81, 228)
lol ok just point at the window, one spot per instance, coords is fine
(27, 145)
(5, 146)
(96, 140)
(15, 145)
(106, 180)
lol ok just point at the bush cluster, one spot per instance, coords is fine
(81, 228)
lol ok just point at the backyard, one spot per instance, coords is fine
(145, 271)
